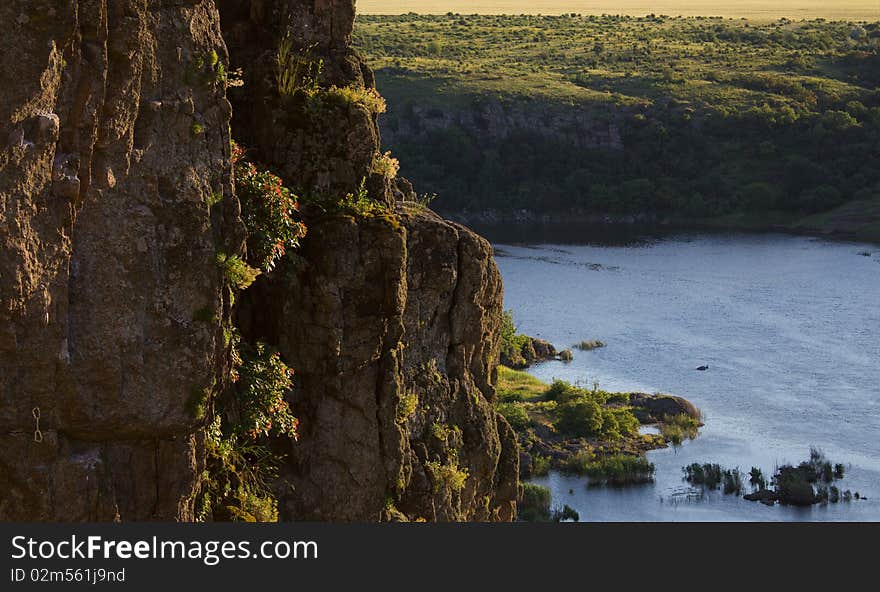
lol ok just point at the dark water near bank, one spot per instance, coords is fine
(790, 327)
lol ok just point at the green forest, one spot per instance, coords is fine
(666, 116)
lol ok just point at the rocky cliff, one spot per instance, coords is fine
(116, 135)
(391, 321)
(107, 249)
(577, 127)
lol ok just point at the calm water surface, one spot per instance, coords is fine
(790, 329)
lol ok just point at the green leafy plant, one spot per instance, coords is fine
(238, 274)
(235, 483)
(357, 203)
(369, 98)
(513, 343)
(206, 69)
(540, 465)
(515, 414)
(446, 476)
(677, 428)
(419, 202)
(406, 406)
(264, 382)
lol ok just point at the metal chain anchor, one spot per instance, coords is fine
(38, 435)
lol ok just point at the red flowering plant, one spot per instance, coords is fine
(269, 211)
(263, 385)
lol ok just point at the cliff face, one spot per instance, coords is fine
(495, 120)
(393, 333)
(391, 322)
(115, 131)
(107, 249)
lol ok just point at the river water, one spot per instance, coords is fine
(789, 327)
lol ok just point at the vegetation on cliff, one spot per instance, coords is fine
(694, 117)
(240, 464)
(269, 211)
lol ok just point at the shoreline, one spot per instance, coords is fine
(837, 225)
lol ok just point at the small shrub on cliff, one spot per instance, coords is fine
(264, 382)
(357, 203)
(369, 98)
(239, 275)
(386, 165)
(406, 406)
(239, 463)
(418, 203)
(206, 69)
(269, 212)
(447, 477)
(298, 74)
(235, 481)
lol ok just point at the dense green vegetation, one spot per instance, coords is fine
(570, 410)
(591, 413)
(516, 348)
(677, 117)
(587, 431)
(617, 469)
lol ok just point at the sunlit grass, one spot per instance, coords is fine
(514, 385)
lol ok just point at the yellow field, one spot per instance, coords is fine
(868, 10)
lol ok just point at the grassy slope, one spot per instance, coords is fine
(521, 384)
